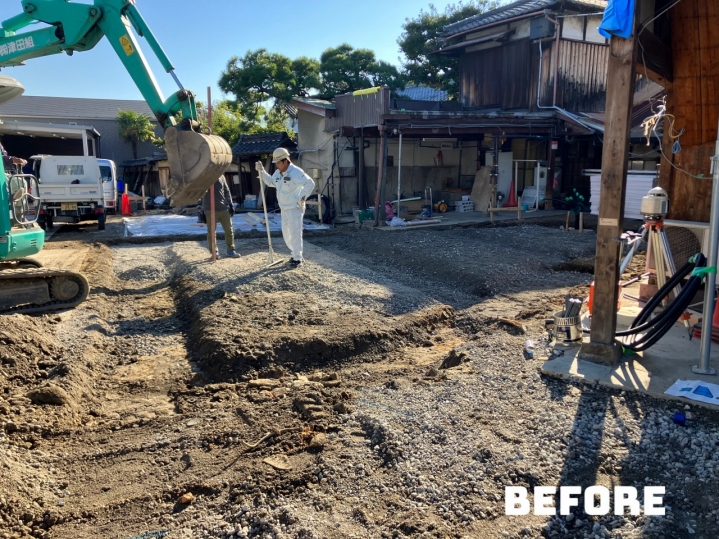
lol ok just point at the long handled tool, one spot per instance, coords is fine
(271, 254)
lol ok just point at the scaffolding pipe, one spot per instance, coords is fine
(710, 282)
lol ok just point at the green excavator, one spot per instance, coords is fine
(195, 160)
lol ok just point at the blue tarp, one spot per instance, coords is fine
(618, 19)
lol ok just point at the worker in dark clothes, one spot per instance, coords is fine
(223, 204)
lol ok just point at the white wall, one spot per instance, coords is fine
(316, 148)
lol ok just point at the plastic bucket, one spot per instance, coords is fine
(365, 215)
(568, 329)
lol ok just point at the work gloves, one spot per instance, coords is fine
(259, 167)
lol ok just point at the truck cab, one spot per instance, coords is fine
(70, 190)
(108, 171)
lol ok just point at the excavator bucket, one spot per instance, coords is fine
(196, 162)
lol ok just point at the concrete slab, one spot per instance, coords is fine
(467, 218)
(651, 372)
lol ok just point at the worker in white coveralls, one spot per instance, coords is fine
(293, 186)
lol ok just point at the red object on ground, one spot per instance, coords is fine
(126, 210)
(511, 197)
(715, 325)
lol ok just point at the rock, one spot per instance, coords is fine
(454, 359)
(319, 440)
(186, 498)
(343, 408)
(279, 462)
(432, 373)
(264, 383)
(49, 394)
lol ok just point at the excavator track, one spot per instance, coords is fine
(36, 290)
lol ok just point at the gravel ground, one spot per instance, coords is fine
(383, 384)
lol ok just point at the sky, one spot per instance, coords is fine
(200, 37)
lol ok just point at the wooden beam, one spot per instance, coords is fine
(603, 347)
(654, 58)
(653, 76)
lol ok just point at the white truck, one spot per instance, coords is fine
(70, 190)
(108, 171)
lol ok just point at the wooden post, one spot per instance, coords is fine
(519, 208)
(581, 221)
(549, 187)
(566, 225)
(361, 179)
(603, 347)
(144, 200)
(211, 220)
(380, 177)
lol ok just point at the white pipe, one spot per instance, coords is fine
(399, 173)
(710, 282)
(84, 144)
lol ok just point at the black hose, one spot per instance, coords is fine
(659, 325)
(642, 321)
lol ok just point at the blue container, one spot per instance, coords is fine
(680, 419)
(250, 204)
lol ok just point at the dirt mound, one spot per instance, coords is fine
(29, 353)
(242, 337)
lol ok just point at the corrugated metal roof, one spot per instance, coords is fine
(37, 128)
(515, 9)
(420, 92)
(315, 102)
(72, 108)
(262, 144)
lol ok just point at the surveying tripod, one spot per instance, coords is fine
(655, 235)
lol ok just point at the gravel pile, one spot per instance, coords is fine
(150, 266)
(417, 439)
(325, 277)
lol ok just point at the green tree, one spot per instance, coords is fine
(229, 122)
(423, 35)
(261, 77)
(135, 127)
(345, 69)
(306, 73)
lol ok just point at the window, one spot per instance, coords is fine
(106, 173)
(70, 170)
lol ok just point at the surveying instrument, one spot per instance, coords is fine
(654, 208)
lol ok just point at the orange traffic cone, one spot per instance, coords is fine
(126, 210)
(512, 197)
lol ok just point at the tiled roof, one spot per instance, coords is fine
(262, 144)
(420, 92)
(71, 108)
(515, 9)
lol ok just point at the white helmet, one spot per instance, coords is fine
(279, 154)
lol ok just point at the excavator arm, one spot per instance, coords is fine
(196, 160)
